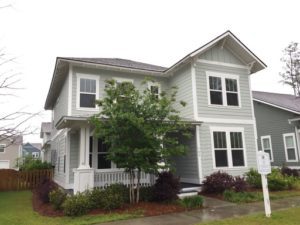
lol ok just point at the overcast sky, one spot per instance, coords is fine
(157, 32)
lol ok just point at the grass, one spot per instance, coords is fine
(286, 217)
(16, 209)
(246, 197)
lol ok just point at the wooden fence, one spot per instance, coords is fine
(12, 180)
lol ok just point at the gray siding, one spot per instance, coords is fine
(187, 165)
(219, 54)
(74, 154)
(207, 149)
(106, 75)
(274, 122)
(182, 79)
(59, 145)
(206, 110)
(61, 107)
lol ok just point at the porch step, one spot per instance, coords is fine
(187, 194)
(190, 189)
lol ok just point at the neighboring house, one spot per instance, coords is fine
(277, 118)
(45, 134)
(213, 80)
(10, 151)
(32, 149)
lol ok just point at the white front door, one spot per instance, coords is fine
(4, 164)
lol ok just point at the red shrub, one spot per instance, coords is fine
(44, 189)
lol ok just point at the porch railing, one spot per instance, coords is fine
(104, 178)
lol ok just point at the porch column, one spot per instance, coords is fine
(83, 175)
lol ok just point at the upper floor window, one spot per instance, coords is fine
(290, 147)
(2, 148)
(35, 155)
(87, 91)
(266, 146)
(223, 89)
(154, 88)
(228, 147)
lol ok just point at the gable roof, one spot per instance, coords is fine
(31, 147)
(227, 38)
(285, 102)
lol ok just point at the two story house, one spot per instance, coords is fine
(214, 81)
(10, 151)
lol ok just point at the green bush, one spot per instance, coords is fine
(57, 198)
(192, 202)
(76, 205)
(253, 178)
(114, 197)
(29, 163)
(277, 181)
(146, 194)
(242, 197)
(95, 198)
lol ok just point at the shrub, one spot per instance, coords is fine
(192, 202)
(114, 197)
(57, 198)
(44, 188)
(242, 197)
(286, 171)
(166, 187)
(76, 205)
(147, 194)
(95, 198)
(30, 163)
(239, 184)
(253, 178)
(276, 181)
(217, 182)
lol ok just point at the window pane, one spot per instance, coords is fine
(236, 140)
(269, 152)
(102, 146)
(87, 85)
(91, 145)
(215, 83)
(154, 89)
(232, 99)
(266, 143)
(1, 149)
(238, 158)
(82, 85)
(90, 160)
(216, 98)
(220, 140)
(87, 100)
(221, 158)
(291, 154)
(231, 85)
(289, 141)
(103, 163)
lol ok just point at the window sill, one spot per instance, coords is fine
(224, 106)
(230, 168)
(88, 109)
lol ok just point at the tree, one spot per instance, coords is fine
(291, 73)
(140, 129)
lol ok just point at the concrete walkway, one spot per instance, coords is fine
(215, 210)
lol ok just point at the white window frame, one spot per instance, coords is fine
(295, 147)
(223, 77)
(229, 149)
(157, 84)
(87, 76)
(271, 148)
(4, 147)
(35, 155)
(96, 153)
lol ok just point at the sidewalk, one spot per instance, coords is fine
(215, 210)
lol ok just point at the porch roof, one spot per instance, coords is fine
(76, 121)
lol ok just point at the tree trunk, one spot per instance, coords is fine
(138, 186)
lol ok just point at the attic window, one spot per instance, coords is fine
(2, 148)
(88, 91)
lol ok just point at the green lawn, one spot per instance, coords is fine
(284, 217)
(16, 209)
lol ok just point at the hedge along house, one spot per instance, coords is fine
(278, 116)
(213, 81)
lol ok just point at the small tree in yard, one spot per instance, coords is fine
(291, 73)
(140, 129)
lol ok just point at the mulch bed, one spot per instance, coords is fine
(146, 208)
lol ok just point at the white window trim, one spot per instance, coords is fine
(122, 79)
(35, 155)
(262, 145)
(223, 76)
(6, 161)
(285, 147)
(86, 76)
(229, 149)
(151, 83)
(3, 145)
